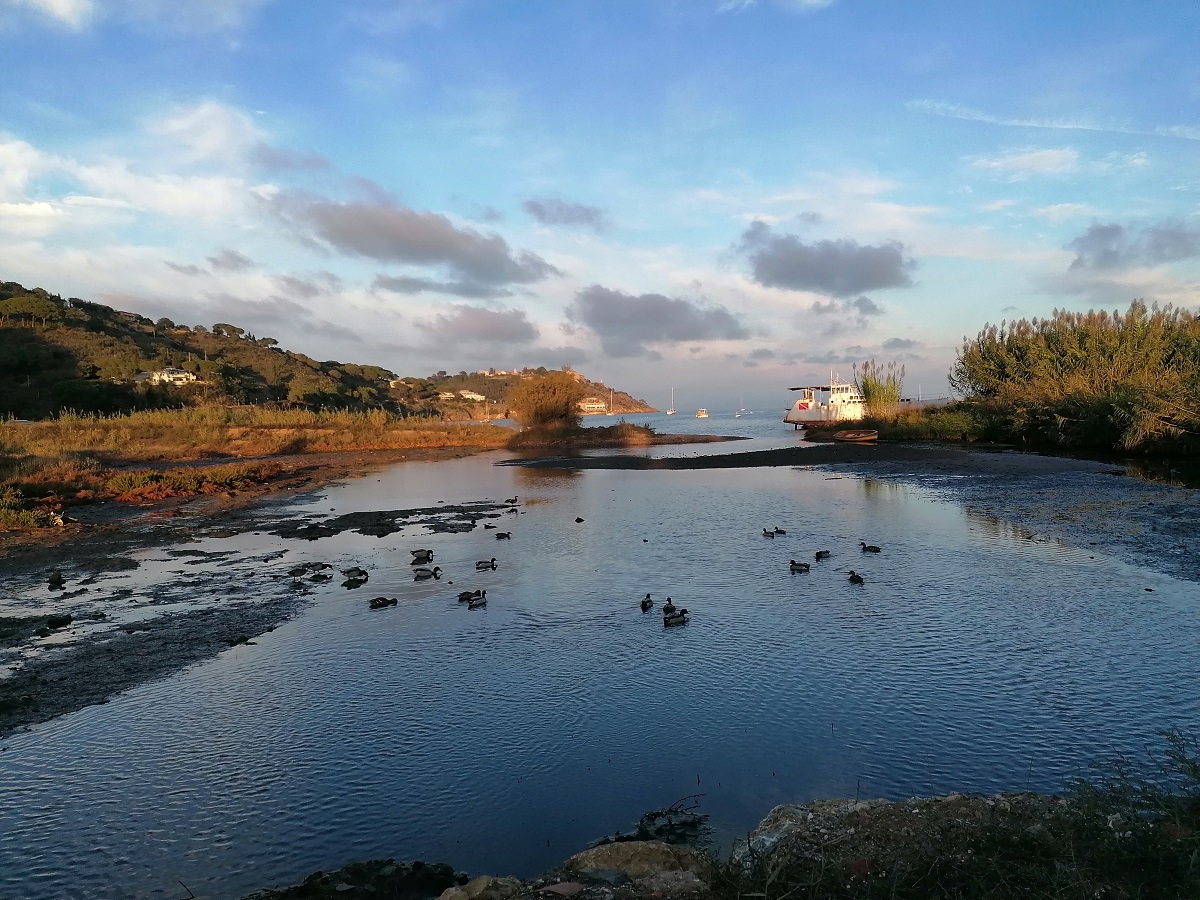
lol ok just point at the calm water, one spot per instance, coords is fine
(504, 739)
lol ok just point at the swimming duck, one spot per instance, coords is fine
(799, 566)
(855, 578)
(668, 607)
(503, 535)
(486, 526)
(55, 579)
(647, 604)
(355, 573)
(822, 554)
(381, 602)
(420, 558)
(512, 501)
(869, 548)
(423, 573)
(486, 564)
(676, 618)
(476, 602)
(578, 519)
(464, 596)
(779, 530)
(768, 533)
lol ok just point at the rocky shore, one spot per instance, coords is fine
(1000, 846)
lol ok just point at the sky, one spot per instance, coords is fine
(727, 197)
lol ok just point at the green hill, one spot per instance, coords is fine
(58, 354)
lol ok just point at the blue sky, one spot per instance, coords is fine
(727, 196)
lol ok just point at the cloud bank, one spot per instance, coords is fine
(626, 324)
(1115, 246)
(840, 268)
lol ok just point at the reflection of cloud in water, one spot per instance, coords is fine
(527, 476)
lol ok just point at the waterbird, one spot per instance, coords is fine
(578, 519)
(855, 578)
(352, 583)
(668, 607)
(298, 572)
(354, 572)
(381, 602)
(423, 573)
(647, 603)
(768, 533)
(503, 535)
(476, 602)
(486, 564)
(779, 530)
(799, 566)
(512, 501)
(822, 554)
(55, 579)
(486, 525)
(464, 596)
(421, 552)
(869, 548)
(679, 617)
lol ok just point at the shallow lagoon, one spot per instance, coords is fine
(504, 739)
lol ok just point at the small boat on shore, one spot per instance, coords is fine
(702, 413)
(856, 435)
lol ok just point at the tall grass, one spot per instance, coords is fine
(250, 431)
(881, 386)
(1096, 379)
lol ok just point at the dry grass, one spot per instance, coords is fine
(210, 431)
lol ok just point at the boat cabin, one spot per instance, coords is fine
(831, 402)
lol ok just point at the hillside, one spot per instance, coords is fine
(58, 354)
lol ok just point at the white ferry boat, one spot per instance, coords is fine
(702, 413)
(836, 403)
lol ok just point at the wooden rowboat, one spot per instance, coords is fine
(856, 435)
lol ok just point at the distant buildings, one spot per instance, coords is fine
(471, 395)
(592, 405)
(169, 375)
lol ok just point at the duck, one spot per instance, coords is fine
(855, 578)
(869, 548)
(55, 579)
(487, 526)
(464, 596)
(578, 519)
(779, 530)
(503, 535)
(512, 501)
(423, 573)
(822, 554)
(421, 552)
(768, 533)
(381, 602)
(647, 604)
(679, 617)
(355, 573)
(486, 564)
(477, 602)
(799, 566)
(668, 607)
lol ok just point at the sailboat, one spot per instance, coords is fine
(742, 410)
(610, 396)
(671, 411)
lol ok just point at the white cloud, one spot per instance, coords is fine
(1032, 162)
(997, 205)
(1060, 212)
(19, 164)
(74, 14)
(957, 111)
(790, 5)
(208, 131)
(28, 219)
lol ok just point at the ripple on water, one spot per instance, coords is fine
(503, 739)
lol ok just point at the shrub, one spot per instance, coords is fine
(547, 401)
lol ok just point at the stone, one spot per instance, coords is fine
(485, 887)
(564, 888)
(643, 862)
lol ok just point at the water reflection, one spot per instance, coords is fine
(505, 738)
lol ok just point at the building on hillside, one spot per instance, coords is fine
(446, 395)
(592, 406)
(471, 395)
(169, 375)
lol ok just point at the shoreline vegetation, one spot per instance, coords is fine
(1130, 830)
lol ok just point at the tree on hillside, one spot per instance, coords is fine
(547, 401)
(227, 330)
(32, 307)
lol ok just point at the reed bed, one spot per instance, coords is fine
(252, 431)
